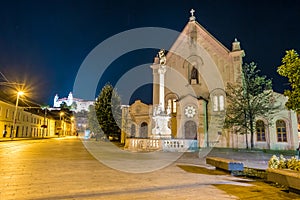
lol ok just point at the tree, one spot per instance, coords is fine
(290, 68)
(64, 107)
(247, 101)
(73, 106)
(108, 111)
(93, 122)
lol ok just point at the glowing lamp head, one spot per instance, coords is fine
(20, 93)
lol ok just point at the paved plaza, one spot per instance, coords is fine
(63, 168)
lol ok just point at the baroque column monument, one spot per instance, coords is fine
(160, 115)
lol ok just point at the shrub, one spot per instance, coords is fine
(282, 163)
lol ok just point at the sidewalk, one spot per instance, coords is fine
(255, 159)
(8, 139)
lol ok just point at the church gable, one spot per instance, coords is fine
(197, 54)
(138, 108)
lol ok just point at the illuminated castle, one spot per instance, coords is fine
(76, 104)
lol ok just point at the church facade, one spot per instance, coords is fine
(198, 69)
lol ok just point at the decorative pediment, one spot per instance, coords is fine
(139, 108)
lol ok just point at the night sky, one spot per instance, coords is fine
(43, 43)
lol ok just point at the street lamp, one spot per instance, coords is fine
(19, 93)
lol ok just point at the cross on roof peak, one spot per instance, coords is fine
(192, 12)
(192, 17)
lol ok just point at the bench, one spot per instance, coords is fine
(229, 165)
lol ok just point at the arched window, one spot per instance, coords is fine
(218, 103)
(281, 131)
(215, 99)
(132, 131)
(172, 105)
(144, 130)
(260, 131)
(221, 102)
(194, 76)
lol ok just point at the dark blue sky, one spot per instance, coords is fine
(45, 42)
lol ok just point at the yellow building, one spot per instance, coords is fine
(33, 122)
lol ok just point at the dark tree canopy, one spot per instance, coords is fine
(290, 68)
(93, 122)
(108, 111)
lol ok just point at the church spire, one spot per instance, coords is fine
(236, 45)
(192, 17)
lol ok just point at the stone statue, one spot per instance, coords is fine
(169, 110)
(194, 74)
(162, 57)
(159, 109)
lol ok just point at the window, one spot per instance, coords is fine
(215, 99)
(172, 105)
(236, 58)
(218, 103)
(281, 131)
(19, 116)
(221, 102)
(7, 113)
(132, 131)
(260, 131)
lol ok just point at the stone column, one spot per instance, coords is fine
(162, 71)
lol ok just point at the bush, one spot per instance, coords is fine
(282, 163)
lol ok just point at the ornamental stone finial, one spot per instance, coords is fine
(192, 17)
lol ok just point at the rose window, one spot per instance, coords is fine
(190, 111)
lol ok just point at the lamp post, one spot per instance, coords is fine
(19, 93)
(44, 126)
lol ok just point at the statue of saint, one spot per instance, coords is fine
(162, 57)
(194, 74)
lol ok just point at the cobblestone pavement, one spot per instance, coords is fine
(62, 168)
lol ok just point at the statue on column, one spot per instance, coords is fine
(162, 57)
(160, 117)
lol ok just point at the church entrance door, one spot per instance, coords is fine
(190, 130)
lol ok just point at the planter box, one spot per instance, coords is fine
(287, 177)
(225, 164)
